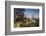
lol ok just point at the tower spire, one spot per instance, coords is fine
(33, 14)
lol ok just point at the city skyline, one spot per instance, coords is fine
(25, 17)
(30, 12)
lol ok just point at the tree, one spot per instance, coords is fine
(20, 15)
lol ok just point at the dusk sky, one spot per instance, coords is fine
(29, 12)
